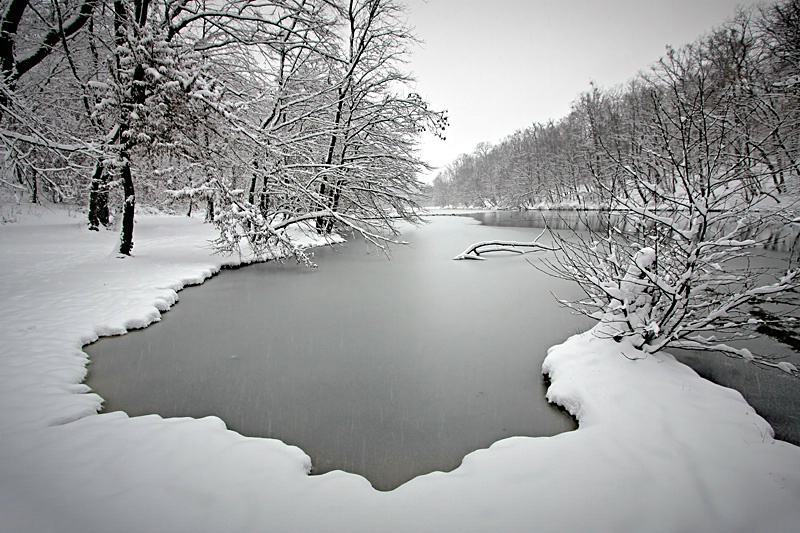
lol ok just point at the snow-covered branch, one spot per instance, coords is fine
(475, 250)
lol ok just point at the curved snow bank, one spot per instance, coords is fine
(658, 449)
(682, 450)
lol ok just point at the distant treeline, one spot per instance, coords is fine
(726, 104)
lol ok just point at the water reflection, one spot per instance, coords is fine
(783, 238)
(385, 368)
(557, 220)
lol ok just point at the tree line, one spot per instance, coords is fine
(269, 113)
(695, 164)
(724, 105)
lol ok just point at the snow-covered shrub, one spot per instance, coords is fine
(699, 190)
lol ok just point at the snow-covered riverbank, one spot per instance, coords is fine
(659, 449)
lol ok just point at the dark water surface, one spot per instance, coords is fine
(385, 368)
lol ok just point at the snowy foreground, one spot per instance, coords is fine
(658, 449)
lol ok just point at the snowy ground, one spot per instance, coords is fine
(658, 449)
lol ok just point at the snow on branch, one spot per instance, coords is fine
(709, 344)
(40, 140)
(475, 250)
(629, 311)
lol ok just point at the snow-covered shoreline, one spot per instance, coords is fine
(658, 449)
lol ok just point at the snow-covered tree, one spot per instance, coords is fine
(335, 144)
(42, 149)
(697, 161)
(170, 104)
(679, 264)
(369, 170)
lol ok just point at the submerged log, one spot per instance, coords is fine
(475, 251)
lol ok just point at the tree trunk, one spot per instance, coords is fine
(209, 208)
(191, 200)
(322, 223)
(263, 199)
(335, 194)
(251, 194)
(98, 199)
(34, 188)
(136, 97)
(126, 238)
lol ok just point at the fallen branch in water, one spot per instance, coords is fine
(475, 251)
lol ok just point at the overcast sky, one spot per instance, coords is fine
(500, 65)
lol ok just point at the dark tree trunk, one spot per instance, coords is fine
(209, 208)
(251, 194)
(136, 97)
(98, 199)
(191, 200)
(263, 200)
(128, 209)
(34, 187)
(334, 203)
(324, 192)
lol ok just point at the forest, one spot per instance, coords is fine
(267, 113)
(722, 108)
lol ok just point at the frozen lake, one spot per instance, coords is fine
(388, 368)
